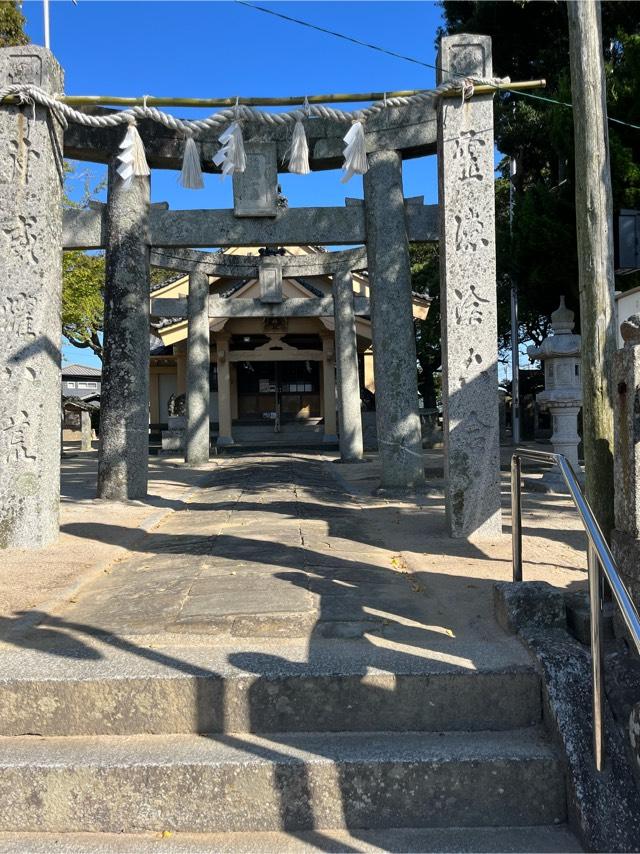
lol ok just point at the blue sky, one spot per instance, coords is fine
(207, 49)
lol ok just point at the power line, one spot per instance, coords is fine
(406, 58)
(570, 106)
(335, 34)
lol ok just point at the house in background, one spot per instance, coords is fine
(80, 388)
(80, 381)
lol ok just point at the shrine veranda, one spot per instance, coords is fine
(134, 232)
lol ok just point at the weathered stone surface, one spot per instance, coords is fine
(85, 430)
(548, 839)
(290, 307)
(255, 191)
(528, 603)
(270, 276)
(604, 807)
(276, 696)
(626, 551)
(198, 361)
(225, 436)
(348, 382)
(394, 348)
(30, 289)
(204, 228)
(634, 735)
(468, 296)
(626, 458)
(298, 781)
(124, 406)
(248, 266)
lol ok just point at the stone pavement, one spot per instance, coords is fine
(295, 546)
(31, 579)
(285, 652)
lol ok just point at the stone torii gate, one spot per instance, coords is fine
(270, 270)
(33, 230)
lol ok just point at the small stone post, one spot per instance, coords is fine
(625, 537)
(31, 178)
(198, 363)
(468, 295)
(625, 541)
(225, 436)
(124, 402)
(85, 430)
(349, 411)
(329, 389)
(394, 346)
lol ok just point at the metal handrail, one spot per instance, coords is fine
(599, 558)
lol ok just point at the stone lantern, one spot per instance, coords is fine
(562, 395)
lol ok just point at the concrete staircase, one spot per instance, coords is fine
(259, 752)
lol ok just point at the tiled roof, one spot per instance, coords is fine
(80, 371)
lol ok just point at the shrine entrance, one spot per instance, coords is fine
(453, 121)
(279, 391)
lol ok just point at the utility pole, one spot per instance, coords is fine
(594, 213)
(515, 349)
(45, 11)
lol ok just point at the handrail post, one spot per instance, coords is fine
(595, 601)
(516, 516)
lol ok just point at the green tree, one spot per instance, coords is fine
(12, 23)
(83, 299)
(83, 272)
(530, 41)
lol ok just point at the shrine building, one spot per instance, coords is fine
(282, 370)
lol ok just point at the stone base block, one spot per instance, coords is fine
(528, 604)
(626, 551)
(579, 617)
(224, 441)
(172, 440)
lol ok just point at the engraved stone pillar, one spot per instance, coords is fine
(468, 296)
(349, 412)
(198, 361)
(225, 436)
(85, 430)
(329, 389)
(31, 179)
(394, 347)
(124, 402)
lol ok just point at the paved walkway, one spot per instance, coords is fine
(274, 547)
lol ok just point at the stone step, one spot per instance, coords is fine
(542, 839)
(279, 696)
(285, 782)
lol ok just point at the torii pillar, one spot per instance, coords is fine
(468, 295)
(348, 385)
(394, 346)
(31, 179)
(196, 441)
(123, 455)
